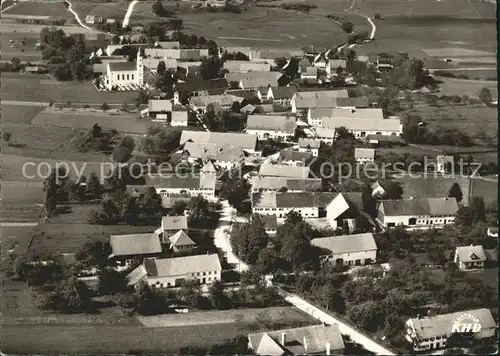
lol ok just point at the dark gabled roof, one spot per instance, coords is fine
(247, 94)
(284, 92)
(122, 66)
(385, 138)
(270, 221)
(291, 155)
(423, 206)
(175, 181)
(212, 86)
(357, 102)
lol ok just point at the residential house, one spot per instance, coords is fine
(176, 53)
(470, 257)
(214, 3)
(167, 44)
(279, 170)
(323, 134)
(364, 155)
(444, 163)
(362, 127)
(246, 142)
(152, 64)
(190, 67)
(160, 110)
(333, 65)
(304, 100)
(311, 73)
(93, 19)
(346, 210)
(348, 250)
(35, 69)
(170, 225)
(308, 340)
(312, 51)
(316, 116)
(276, 184)
(303, 64)
(432, 332)
(172, 272)
(126, 248)
(275, 127)
(110, 21)
(320, 60)
(246, 66)
(234, 50)
(224, 156)
(200, 103)
(200, 87)
(186, 184)
(291, 157)
(254, 80)
(179, 118)
(248, 109)
(309, 145)
(270, 224)
(384, 140)
(180, 241)
(248, 95)
(281, 95)
(377, 190)
(420, 213)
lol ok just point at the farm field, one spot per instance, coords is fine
(51, 9)
(264, 27)
(452, 86)
(35, 29)
(16, 49)
(67, 231)
(32, 88)
(112, 9)
(83, 119)
(19, 114)
(22, 192)
(14, 238)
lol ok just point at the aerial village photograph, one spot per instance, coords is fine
(249, 177)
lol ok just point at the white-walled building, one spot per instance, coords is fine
(348, 250)
(275, 184)
(125, 73)
(281, 95)
(361, 127)
(314, 99)
(172, 272)
(284, 171)
(324, 134)
(309, 145)
(267, 126)
(246, 66)
(224, 156)
(179, 118)
(364, 155)
(432, 332)
(315, 116)
(470, 257)
(420, 213)
(200, 103)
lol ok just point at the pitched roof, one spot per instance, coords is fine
(276, 183)
(167, 44)
(364, 153)
(316, 94)
(313, 338)
(356, 102)
(346, 243)
(323, 98)
(278, 170)
(174, 222)
(181, 239)
(283, 92)
(442, 324)
(471, 253)
(291, 155)
(212, 86)
(255, 79)
(180, 116)
(180, 266)
(175, 181)
(420, 206)
(217, 152)
(242, 140)
(391, 125)
(246, 66)
(335, 63)
(122, 66)
(311, 71)
(324, 132)
(159, 105)
(270, 221)
(364, 113)
(223, 99)
(247, 94)
(271, 123)
(134, 244)
(293, 199)
(309, 142)
(136, 275)
(385, 138)
(248, 109)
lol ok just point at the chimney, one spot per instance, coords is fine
(283, 339)
(418, 316)
(327, 347)
(305, 344)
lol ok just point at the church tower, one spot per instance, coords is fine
(140, 68)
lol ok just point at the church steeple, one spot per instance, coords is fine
(140, 68)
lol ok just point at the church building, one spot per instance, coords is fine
(125, 73)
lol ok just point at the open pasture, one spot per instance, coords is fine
(123, 123)
(32, 88)
(15, 192)
(264, 27)
(26, 51)
(35, 29)
(51, 9)
(453, 86)
(19, 114)
(112, 10)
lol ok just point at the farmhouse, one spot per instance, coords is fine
(158, 109)
(253, 80)
(325, 135)
(187, 184)
(200, 87)
(275, 184)
(276, 127)
(310, 340)
(421, 213)
(333, 65)
(346, 210)
(281, 95)
(125, 74)
(127, 247)
(348, 250)
(279, 170)
(225, 156)
(470, 257)
(179, 118)
(172, 272)
(241, 140)
(176, 53)
(249, 95)
(311, 73)
(361, 127)
(270, 224)
(170, 225)
(313, 99)
(364, 155)
(320, 60)
(432, 332)
(200, 103)
(316, 116)
(309, 145)
(93, 19)
(246, 66)
(291, 157)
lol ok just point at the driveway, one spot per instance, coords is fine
(222, 236)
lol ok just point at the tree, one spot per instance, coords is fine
(280, 62)
(123, 149)
(485, 96)
(161, 66)
(217, 296)
(158, 9)
(236, 190)
(6, 136)
(456, 192)
(111, 281)
(249, 239)
(71, 296)
(179, 207)
(190, 293)
(50, 188)
(347, 26)
(200, 215)
(115, 40)
(478, 209)
(93, 186)
(393, 190)
(94, 253)
(104, 107)
(267, 262)
(210, 68)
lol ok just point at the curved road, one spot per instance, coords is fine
(130, 9)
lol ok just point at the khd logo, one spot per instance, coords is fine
(466, 325)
